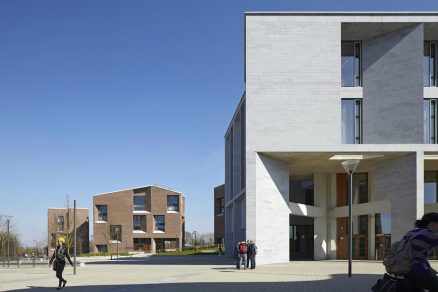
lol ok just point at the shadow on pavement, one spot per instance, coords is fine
(168, 260)
(358, 283)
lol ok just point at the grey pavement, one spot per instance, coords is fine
(196, 273)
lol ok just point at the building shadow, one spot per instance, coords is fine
(168, 260)
(358, 283)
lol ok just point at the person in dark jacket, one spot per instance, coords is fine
(422, 275)
(251, 253)
(58, 259)
(240, 254)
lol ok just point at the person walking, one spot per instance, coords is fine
(424, 239)
(58, 259)
(252, 251)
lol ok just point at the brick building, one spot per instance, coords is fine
(60, 224)
(147, 219)
(219, 219)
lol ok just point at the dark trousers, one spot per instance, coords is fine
(251, 258)
(59, 271)
(429, 282)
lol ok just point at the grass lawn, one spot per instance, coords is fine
(203, 251)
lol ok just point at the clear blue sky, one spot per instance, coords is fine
(97, 96)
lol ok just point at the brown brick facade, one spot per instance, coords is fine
(65, 230)
(120, 211)
(219, 216)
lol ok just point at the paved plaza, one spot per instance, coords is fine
(196, 273)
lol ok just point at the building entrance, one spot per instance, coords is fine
(301, 238)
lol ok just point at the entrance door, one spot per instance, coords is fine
(342, 238)
(301, 242)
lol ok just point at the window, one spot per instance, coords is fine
(60, 223)
(430, 187)
(383, 234)
(429, 121)
(430, 64)
(102, 248)
(53, 240)
(351, 113)
(102, 213)
(116, 232)
(351, 63)
(160, 223)
(139, 204)
(360, 188)
(139, 222)
(172, 203)
(220, 203)
(301, 191)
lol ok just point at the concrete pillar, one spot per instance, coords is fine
(272, 208)
(321, 189)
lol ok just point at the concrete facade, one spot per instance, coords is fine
(60, 224)
(121, 211)
(288, 125)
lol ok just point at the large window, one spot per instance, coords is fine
(139, 203)
(383, 234)
(429, 121)
(301, 191)
(102, 213)
(351, 113)
(220, 204)
(60, 223)
(160, 224)
(351, 64)
(172, 203)
(116, 232)
(139, 222)
(430, 187)
(430, 64)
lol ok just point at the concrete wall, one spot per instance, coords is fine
(272, 208)
(322, 186)
(396, 181)
(393, 87)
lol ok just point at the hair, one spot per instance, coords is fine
(426, 220)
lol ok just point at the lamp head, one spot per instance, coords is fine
(350, 165)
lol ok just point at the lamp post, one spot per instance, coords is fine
(350, 166)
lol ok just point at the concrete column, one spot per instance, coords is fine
(372, 237)
(272, 208)
(321, 189)
(153, 246)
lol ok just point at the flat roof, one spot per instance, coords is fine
(347, 13)
(66, 208)
(141, 187)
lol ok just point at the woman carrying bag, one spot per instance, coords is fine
(58, 259)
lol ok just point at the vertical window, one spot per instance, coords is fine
(102, 213)
(221, 205)
(383, 234)
(351, 66)
(116, 232)
(139, 222)
(430, 64)
(429, 121)
(139, 204)
(60, 223)
(430, 187)
(351, 121)
(172, 203)
(160, 224)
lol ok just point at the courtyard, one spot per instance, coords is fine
(196, 273)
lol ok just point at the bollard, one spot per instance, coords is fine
(4, 263)
(18, 262)
(33, 262)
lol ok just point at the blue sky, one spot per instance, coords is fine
(97, 96)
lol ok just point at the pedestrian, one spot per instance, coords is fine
(252, 251)
(220, 250)
(58, 259)
(240, 252)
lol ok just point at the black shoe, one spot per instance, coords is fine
(59, 288)
(63, 284)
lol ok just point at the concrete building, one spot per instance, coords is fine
(148, 219)
(321, 87)
(219, 217)
(60, 224)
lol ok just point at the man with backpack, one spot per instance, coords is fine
(241, 254)
(408, 257)
(251, 253)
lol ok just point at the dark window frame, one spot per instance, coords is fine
(358, 74)
(158, 225)
(358, 119)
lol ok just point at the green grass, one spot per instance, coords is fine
(103, 254)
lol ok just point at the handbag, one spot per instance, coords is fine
(55, 265)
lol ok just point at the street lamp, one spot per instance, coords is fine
(350, 166)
